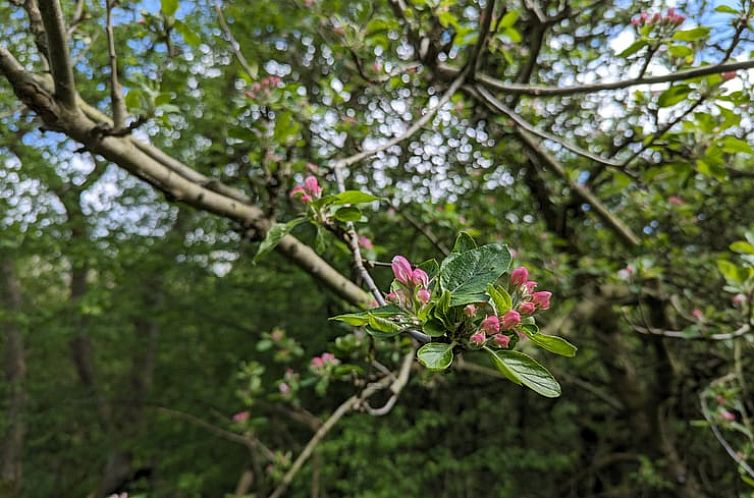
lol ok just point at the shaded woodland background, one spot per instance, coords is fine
(145, 352)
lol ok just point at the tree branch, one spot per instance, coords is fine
(234, 45)
(116, 92)
(60, 58)
(549, 91)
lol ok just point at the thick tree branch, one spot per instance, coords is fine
(190, 187)
(60, 57)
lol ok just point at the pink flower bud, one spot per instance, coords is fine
(277, 335)
(635, 22)
(297, 190)
(419, 277)
(317, 362)
(542, 299)
(241, 416)
(329, 358)
(728, 75)
(478, 338)
(284, 388)
(423, 296)
(530, 286)
(502, 340)
(510, 320)
(469, 310)
(656, 18)
(726, 415)
(527, 308)
(365, 243)
(519, 276)
(644, 17)
(739, 300)
(311, 185)
(697, 314)
(674, 200)
(491, 325)
(401, 270)
(720, 399)
(392, 297)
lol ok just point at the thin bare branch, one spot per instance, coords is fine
(234, 45)
(723, 442)
(550, 91)
(677, 334)
(531, 143)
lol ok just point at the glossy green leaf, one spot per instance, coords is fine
(275, 234)
(464, 242)
(524, 370)
(435, 356)
(554, 344)
(692, 35)
(348, 213)
(352, 197)
(673, 95)
(500, 298)
(742, 247)
(467, 274)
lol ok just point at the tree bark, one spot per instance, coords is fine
(14, 363)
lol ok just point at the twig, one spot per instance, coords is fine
(116, 91)
(60, 58)
(234, 45)
(617, 225)
(549, 91)
(719, 436)
(426, 232)
(677, 334)
(396, 387)
(521, 122)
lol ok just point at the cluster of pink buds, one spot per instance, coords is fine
(671, 18)
(321, 362)
(266, 85)
(412, 282)
(728, 75)
(307, 192)
(527, 302)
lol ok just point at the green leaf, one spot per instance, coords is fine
(673, 95)
(189, 36)
(524, 370)
(134, 99)
(431, 267)
(554, 344)
(742, 247)
(348, 213)
(726, 9)
(513, 35)
(435, 356)
(434, 328)
(731, 272)
(467, 274)
(351, 197)
(362, 318)
(275, 234)
(692, 35)
(169, 7)
(732, 145)
(464, 242)
(633, 48)
(384, 327)
(500, 298)
(509, 19)
(286, 127)
(680, 51)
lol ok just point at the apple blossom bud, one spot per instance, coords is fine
(527, 308)
(519, 276)
(728, 75)
(284, 388)
(697, 314)
(469, 310)
(739, 300)
(423, 296)
(542, 299)
(401, 270)
(317, 362)
(478, 338)
(530, 286)
(311, 185)
(502, 340)
(675, 200)
(419, 277)
(365, 243)
(726, 415)
(241, 416)
(510, 320)
(491, 325)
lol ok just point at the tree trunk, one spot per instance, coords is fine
(14, 363)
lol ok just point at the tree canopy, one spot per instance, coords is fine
(376, 249)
